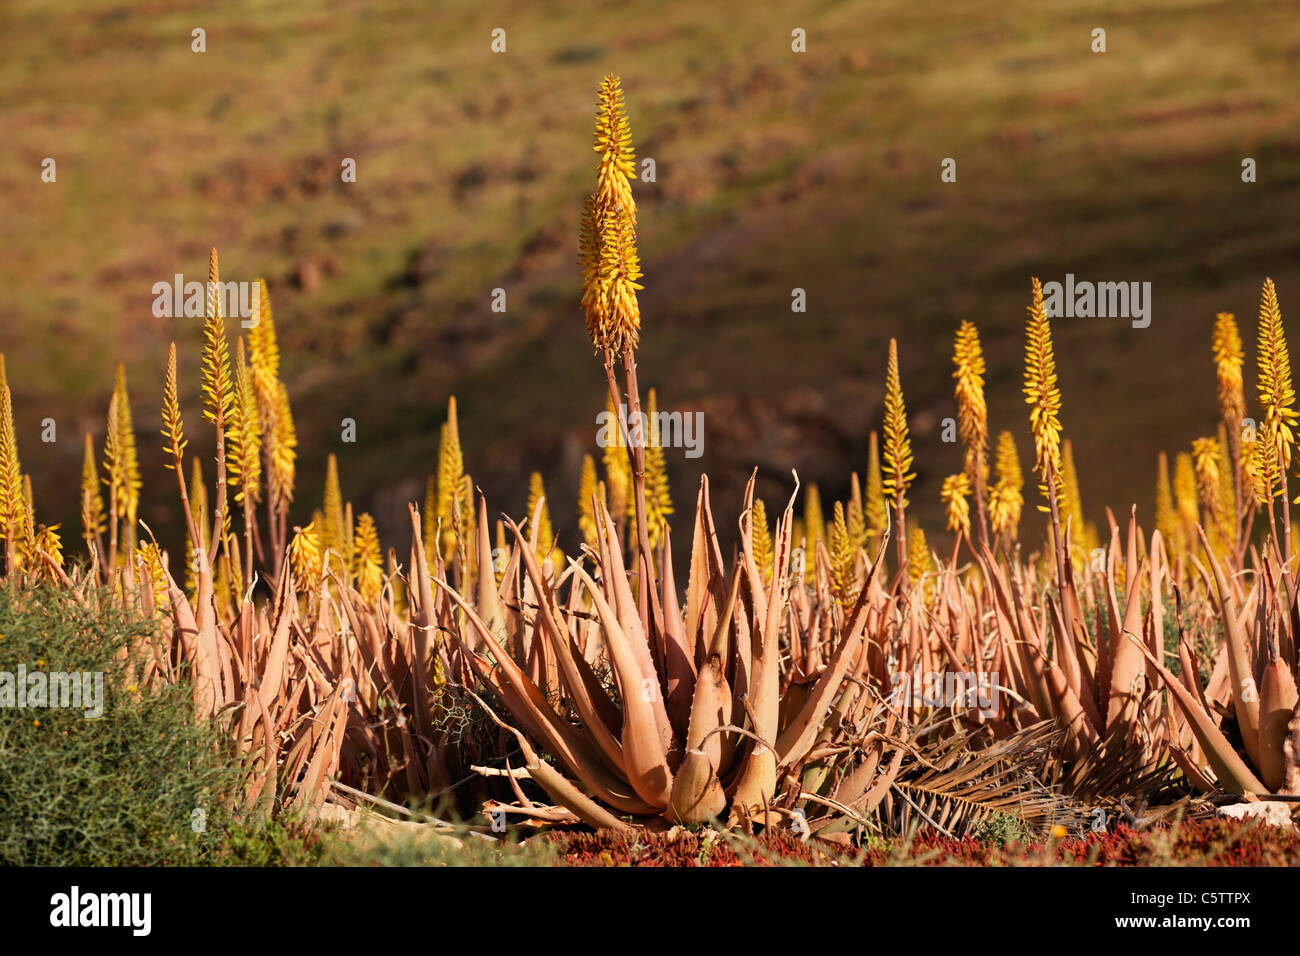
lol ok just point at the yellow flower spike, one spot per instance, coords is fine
(1008, 462)
(149, 554)
(1041, 393)
(1249, 481)
(658, 499)
(843, 559)
(47, 540)
(217, 383)
(217, 386)
(121, 464)
(305, 557)
(856, 519)
(244, 434)
(130, 459)
(27, 530)
(1227, 489)
(274, 416)
(369, 559)
(1263, 468)
(954, 493)
(1006, 499)
(12, 506)
(1205, 459)
(283, 451)
(607, 237)
(212, 298)
(1276, 392)
(332, 530)
(919, 558)
(263, 348)
(593, 298)
(173, 428)
(898, 446)
(619, 319)
(92, 500)
(972, 413)
(1185, 499)
(814, 522)
(613, 141)
(761, 533)
(876, 509)
(468, 517)
(429, 519)
(1209, 459)
(1228, 360)
(451, 472)
(1167, 519)
(545, 535)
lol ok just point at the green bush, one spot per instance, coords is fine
(122, 789)
(1003, 830)
(144, 784)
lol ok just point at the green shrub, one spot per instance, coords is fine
(1003, 830)
(143, 784)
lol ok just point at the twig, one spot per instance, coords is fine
(389, 805)
(519, 774)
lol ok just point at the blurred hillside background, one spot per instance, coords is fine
(775, 170)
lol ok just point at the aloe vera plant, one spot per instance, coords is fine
(696, 726)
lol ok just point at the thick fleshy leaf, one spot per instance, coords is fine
(1234, 776)
(643, 753)
(1245, 693)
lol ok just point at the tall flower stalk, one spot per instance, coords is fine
(898, 453)
(218, 395)
(1044, 401)
(611, 272)
(1228, 360)
(1007, 498)
(1276, 440)
(972, 415)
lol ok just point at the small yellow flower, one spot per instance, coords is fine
(36, 723)
(40, 662)
(1059, 832)
(133, 689)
